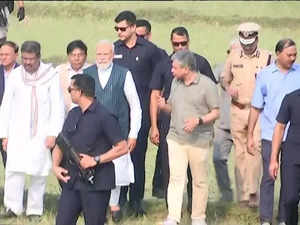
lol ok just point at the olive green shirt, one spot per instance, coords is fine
(195, 100)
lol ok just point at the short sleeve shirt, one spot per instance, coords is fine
(241, 70)
(270, 88)
(162, 77)
(195, 100)
(289, 112)
(94, 132)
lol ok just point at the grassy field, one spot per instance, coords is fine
(211, 25)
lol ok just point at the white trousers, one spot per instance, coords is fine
(114, 196)
(14, 190)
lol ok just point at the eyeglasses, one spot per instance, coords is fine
(72, 89)
(182, 43)
(122, 29)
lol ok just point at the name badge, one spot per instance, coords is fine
(118, 56)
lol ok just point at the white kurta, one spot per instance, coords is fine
(28, 154)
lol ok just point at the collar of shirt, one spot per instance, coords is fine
(76, 113)
(196, 81)
(73, 72)
(256, 53)
(139, 41)
(92, 107)
(104, 74)
(275, 68)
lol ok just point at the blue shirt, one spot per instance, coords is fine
(271, 87)
(92, 132)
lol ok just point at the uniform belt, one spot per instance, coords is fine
(239, 105)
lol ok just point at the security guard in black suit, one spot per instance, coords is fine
(96, 136)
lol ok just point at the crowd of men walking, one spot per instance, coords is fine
(90, 124)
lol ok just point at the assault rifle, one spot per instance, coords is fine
(72, 157)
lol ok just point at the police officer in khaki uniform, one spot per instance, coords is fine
(240, 71)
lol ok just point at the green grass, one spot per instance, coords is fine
(211, 24)
(218, 213)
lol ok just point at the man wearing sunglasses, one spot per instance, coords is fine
(160, 86)
(240, 71)
(143, 29)
(140, 57)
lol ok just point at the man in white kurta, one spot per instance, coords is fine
(31, 116)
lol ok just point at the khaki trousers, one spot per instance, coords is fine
(180, 155)
(248, 168)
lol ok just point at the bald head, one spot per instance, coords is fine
(104, 53)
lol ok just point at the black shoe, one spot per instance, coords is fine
(8, 214)
(138, 209)
(35, 218)
(116, 216)
(189, 207)
(158, 193)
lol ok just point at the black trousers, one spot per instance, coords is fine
(138, 155)
(93, 204)
(161, 175)
(267, 188)
(290, 185)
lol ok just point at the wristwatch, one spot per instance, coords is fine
(97, 159)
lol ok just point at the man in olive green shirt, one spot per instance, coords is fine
(193, 104)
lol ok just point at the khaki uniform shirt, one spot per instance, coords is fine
(195, 100)
(240, 71)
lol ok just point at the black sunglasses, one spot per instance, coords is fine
(122, 29)
(182, 43)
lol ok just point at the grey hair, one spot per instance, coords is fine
(186, 59)
(31, 47)
(107, 42)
